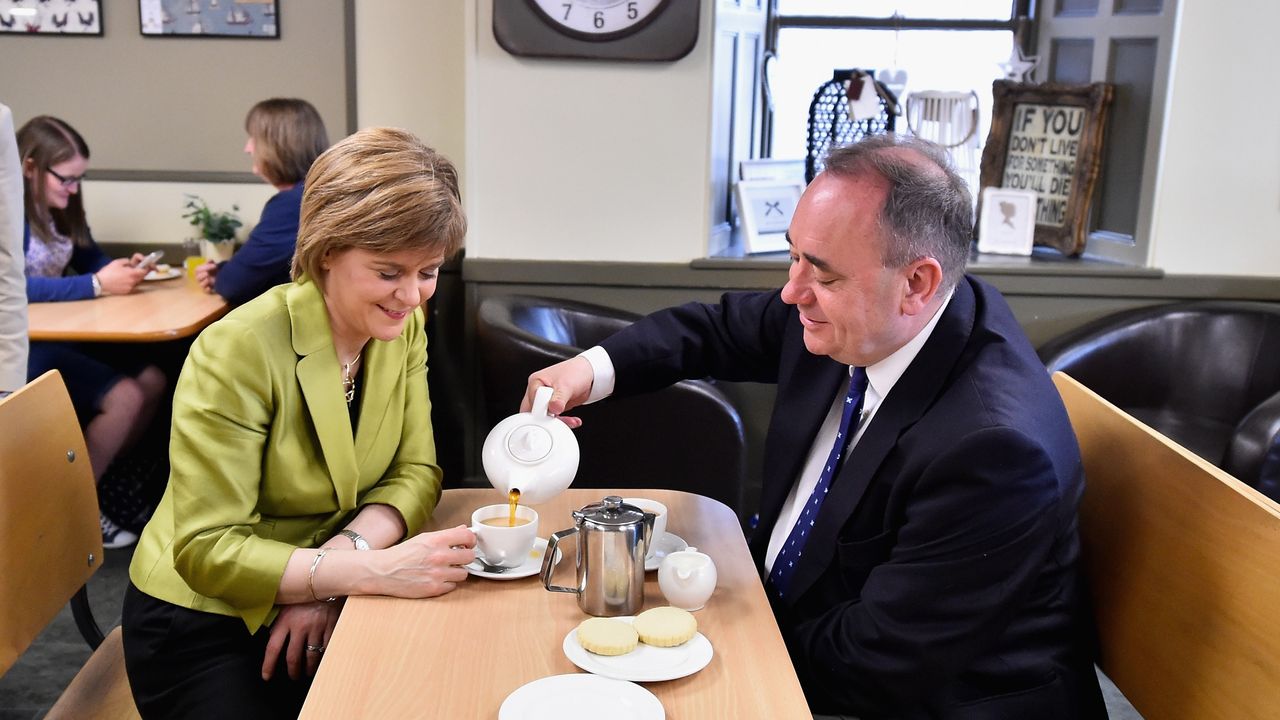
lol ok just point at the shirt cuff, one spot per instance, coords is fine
(602, 370)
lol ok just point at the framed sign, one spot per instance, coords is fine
(1047, 138)
(210, 18)
(765, 208)
(51, 17)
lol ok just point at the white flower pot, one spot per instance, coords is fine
(218, 251)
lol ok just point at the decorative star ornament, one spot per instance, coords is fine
(1019, 67)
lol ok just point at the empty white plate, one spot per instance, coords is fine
(581, 696)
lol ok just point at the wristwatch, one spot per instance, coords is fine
(97, 285)
(356, 539)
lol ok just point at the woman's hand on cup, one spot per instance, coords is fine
(428, 564)
(206, 274)
(120, 277)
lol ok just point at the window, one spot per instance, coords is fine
(936, 45)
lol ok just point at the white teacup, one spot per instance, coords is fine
(659, 523)
(501, 544)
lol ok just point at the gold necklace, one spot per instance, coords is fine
(348, 382)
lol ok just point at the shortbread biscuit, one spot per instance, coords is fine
(665, 626)
(606, 636)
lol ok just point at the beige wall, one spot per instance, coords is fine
(1217, 204)
(609, 161)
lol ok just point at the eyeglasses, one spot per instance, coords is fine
(66, 181)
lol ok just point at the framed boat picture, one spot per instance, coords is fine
(51, 17)
(210, 18)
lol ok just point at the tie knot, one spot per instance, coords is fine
(857, 383)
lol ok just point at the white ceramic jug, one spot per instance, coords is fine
(687, 578)
(532, 452)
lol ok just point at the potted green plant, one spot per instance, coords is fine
(217, 229)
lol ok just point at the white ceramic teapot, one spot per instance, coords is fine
(532, 452)
(687, 578)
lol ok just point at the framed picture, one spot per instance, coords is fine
(1047, 138)
(210, 18)
(51, 17)
(1007, 224)
(765, 208)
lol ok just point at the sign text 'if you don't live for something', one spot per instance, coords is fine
(1043, 144)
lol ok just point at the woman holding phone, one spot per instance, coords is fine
(286, 135)
(114, 398)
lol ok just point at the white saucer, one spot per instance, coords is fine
(562, 697)
(169, 274)
(531, 565)
(667, 544)
(644, 664)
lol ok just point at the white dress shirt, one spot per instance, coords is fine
(881, 377)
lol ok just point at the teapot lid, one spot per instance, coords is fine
(610, 511)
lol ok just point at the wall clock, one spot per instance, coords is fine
(651, 30)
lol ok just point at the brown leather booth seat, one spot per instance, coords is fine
(1205, 374)
(684, 437)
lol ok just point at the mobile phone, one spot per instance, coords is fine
(150, 261)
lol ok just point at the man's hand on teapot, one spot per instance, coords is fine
(428, 564)
(571, 382)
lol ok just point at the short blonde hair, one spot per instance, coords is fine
(380, 190)
(288, 135)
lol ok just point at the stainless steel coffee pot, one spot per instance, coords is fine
(613, 538)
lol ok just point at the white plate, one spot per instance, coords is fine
(667, 544)
(644, 664)
(566, 697)
(169, 274)
(531, 565)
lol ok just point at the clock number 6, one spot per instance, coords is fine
(599, 19)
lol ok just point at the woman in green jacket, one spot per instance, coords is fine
(303, 464)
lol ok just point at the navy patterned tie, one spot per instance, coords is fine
(784, 564)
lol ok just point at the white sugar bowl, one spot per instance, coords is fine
(687, 579)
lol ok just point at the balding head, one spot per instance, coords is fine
(927, 212)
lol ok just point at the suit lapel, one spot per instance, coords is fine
(381, 377)
(815, 379)
(321, 382)
(910, 397)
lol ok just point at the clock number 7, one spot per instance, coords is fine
(567, 8)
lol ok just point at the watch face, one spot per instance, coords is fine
(598, 19)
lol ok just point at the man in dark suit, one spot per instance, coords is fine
(920, 547)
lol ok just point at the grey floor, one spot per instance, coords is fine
(32, 685)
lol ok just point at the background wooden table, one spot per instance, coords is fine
(461, 654)
(156, 311)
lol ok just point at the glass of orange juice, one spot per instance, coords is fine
(194, 259)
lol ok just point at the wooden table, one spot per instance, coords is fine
(461, 654)
(156, 311)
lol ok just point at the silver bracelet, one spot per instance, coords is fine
(311, 577)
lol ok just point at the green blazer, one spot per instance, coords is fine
(262, 455)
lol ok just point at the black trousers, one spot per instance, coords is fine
(189, 664)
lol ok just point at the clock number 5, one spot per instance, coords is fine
(632, 12)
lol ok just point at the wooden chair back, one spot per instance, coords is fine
(52, 542)
(1183, 561)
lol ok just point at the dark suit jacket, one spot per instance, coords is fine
(939, 580)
